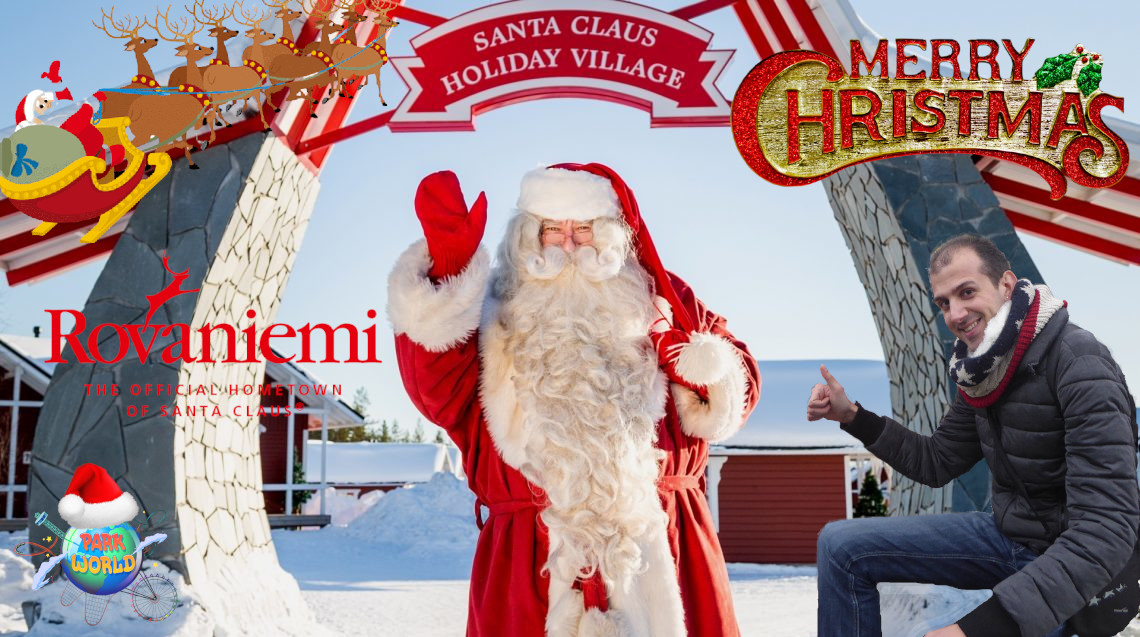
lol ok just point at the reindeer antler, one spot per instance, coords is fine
(276, 4)
(382, 7)
(125, 29)
(312, 11)
(184, 34)
(214, 17)
(249, 19)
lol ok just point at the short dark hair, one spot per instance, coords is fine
(994, 261)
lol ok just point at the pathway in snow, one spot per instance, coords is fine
(359, 588)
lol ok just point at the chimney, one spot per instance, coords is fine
(36, 331)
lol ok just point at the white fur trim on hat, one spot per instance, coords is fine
(560, 194)
(30, 103)
(438, 317)
(94, 515)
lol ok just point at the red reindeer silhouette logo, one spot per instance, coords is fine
(174, 289)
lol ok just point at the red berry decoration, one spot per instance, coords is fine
(1084, 59)
(1080, 49)
(1096, 57)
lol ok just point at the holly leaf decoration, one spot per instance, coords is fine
(1055, 70)
(1089, 79)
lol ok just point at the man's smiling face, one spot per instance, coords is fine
(968, 297)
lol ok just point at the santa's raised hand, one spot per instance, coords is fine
(452, 231)
(830, 400)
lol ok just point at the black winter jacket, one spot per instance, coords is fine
(1074, 448)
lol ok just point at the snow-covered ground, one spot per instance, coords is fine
(400, 569)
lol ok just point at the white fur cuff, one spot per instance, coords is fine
(438, 317)
(723, 413)
(705, 359)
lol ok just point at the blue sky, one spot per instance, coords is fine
(770, 259)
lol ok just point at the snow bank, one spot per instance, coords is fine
(425, 532)
(344, 507)
(428, 519)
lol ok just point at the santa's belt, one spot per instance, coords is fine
(678, 483)
(593, 592)
(501, 508)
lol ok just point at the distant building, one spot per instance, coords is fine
(775, 484)
(359, 467)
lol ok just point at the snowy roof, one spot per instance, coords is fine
(780, 419)
(376, 462)
(30, 354)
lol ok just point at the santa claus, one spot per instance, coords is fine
(36, 103)
(583, 384)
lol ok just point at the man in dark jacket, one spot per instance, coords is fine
(1057, 402)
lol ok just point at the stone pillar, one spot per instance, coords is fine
(892, 213)
(236, 225)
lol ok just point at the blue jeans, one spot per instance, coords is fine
(962, 550)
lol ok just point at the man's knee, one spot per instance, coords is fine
(831, 541)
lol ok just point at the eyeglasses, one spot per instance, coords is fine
(555, 232)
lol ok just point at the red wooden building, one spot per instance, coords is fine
(775, 484)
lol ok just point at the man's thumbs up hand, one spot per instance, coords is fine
(830, 400)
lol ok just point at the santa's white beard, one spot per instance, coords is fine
(585, 377)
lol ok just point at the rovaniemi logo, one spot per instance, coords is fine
(222, 337)
(799, 116)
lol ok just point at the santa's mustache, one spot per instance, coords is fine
(594, 265)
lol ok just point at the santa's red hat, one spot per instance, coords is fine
(582, 192)
(26, 110)
(93, 500)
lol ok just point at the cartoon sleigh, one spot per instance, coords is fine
(77, 190)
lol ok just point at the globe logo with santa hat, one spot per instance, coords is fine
(101, 546)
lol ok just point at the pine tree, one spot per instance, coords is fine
(439, 440)
(396, 434)
(870, 503)
(361, 402)
(418, 436)
(385, 432)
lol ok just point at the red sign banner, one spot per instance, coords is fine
(532, 49)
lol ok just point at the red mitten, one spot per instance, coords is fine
(453, 233)
(669, 344)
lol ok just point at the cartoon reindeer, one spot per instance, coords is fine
(223, 82)
(353, 60)
(217, 30)
(286, 44)
(307, 75)
(116, 104)
(170, 118)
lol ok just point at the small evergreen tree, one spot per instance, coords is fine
(361, 402)
(396, 434)
(870, 503)
(299, 497)
(385, 432)
(439, 440)
(418, 436)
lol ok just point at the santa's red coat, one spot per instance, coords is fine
(509, 593)
(79, 124)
